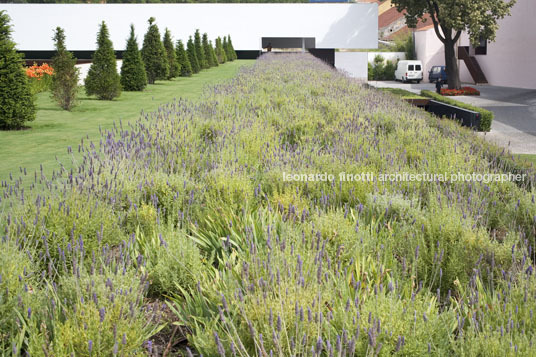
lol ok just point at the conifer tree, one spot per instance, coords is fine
(232, 53)
(184, 61)
(192, 56)
(174, 68)
(102, 78)
(154, 55)
(226, 49)
(16, 99)
(66, 76)
(206, 50)
(199, 51)
(133, 76)
(220, 52)
(213, 54)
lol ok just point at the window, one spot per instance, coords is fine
(482, 48)
(418, 67)
(410, 67)
(436, 70)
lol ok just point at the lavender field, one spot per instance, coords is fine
(180, 236)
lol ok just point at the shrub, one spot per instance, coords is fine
(102, 78)
(200, 51)
(95, 313)
(220, 52)
(184, 61)
(16, 99)
(133, 76)
(172, 261)
(174, 67)
(18, 285)
(486, 116)
(381, 69)
(65, 82)
(154, 55)
(192, 56)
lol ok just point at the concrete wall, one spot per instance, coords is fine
(332, 25)
(509, 61)
(354, 64)
(429, 50)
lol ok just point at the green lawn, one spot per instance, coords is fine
(531, 158)
(405, 94)
(55, 129)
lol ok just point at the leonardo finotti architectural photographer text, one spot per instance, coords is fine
(403, 176)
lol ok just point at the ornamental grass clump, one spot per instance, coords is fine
(270, 219)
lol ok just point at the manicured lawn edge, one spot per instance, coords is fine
(486, 116)
(405, 94)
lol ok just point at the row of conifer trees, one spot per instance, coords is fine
(157, 60)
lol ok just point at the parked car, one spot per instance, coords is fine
(437, 73)
(407, 71)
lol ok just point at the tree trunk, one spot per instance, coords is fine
(451, 64)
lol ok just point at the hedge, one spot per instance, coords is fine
(486, 116)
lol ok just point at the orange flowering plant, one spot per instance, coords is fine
(40, 77)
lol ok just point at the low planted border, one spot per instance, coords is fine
(486, 116)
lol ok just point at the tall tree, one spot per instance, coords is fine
(451, 17)
(16, 100)
(206, 50)
(102, 78)
(214, 59)
(64, 85)
(192, 56)
(153, 54)
(232, 51)
(199, 51)
(220, 52)
(184, 61)
(174, 68)
(133, 76)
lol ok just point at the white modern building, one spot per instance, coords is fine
(320, 28)
(509, 61)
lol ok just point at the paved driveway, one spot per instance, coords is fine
(514, 126)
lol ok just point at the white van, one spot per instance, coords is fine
(407, 71)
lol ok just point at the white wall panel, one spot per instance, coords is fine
(354, 64)
(333, 25)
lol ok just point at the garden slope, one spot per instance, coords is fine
(190, 202)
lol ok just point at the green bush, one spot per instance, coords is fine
(66, 75)
(174, 66)
(486, 116)
(381, 70)
(102, 78)
(16, 99)
(184, 61)
(172, 261)
(96, 313)
(154, 55)
(133, 76)
(18, 287)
